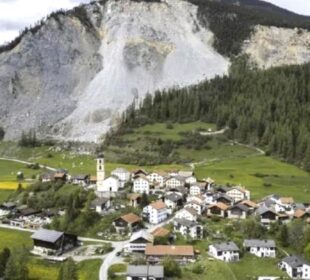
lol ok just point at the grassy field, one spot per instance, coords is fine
(4, 195)
(13, 239)
(249, 267)
(262, 175)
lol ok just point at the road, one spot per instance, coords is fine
(27, 162)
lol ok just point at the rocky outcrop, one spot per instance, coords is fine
(272, 46)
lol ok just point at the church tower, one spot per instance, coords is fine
(100, 170)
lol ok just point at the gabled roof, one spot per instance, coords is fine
(45, 235)
(133, 196)
(287, 200)
(167, 250)
(263, 209)
(80, 177)
(259, 243)
(191, 210)
(142, 234)
(143, 177)
(185, 222)
(226, 246)
(173, 197)
(143, 271)
(249, 203)
(219, 205)
(160, 232)
(225, 196)
(158, 205)
(299, 213)
(131, 218)
(242, 207)
(295, 261)
(99, 201)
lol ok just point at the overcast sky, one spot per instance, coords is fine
(17, 14)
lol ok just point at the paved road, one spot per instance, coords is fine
(27, 162)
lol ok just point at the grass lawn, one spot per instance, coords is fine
(260, 174)
(42, 269)
(89, 270)
(14, 239)
(4, 195)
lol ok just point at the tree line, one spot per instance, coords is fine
(268, 108)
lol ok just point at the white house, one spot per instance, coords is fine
(260, 248)
(101, 204)
(199, 207)
(110, 184)
(238, 193)
(295, 267)
(173, 200)
(122, 174)
(226, 251)
(175, 182)
(188, 228)
(187, 214)
(284, 205)
(190, 180)
(197, 189)
(138, 241)
(238, 211)
(156, 212)
(157, 178)
(141, 184)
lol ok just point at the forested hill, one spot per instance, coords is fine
(269, 108)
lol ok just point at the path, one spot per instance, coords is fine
(260, 151)
(27, 162)
(209, 133)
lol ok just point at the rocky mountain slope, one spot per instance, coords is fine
(72, 77)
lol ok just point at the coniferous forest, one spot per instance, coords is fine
(270, 109)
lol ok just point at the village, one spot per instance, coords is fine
(170, 204)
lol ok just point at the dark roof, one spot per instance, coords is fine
(263, 209)
(99, 201)
(185, 222)
(295, 261)
(241, 207)
(81, 177)
(50, 236)
(225, 196)
(226, 246)
(259, 243)
(156, 271)
(173, 197)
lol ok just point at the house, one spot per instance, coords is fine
(173, 200)
(82, 180)
(138, 241)
(250, 204)
(198, 206)
(295, 267)
(218, 209)
(50, 242)
(175, 182)
(238, 193)
(187, 213)
(160, 232)
(260, 248)
(93, 180)
(60, 177)
(190, 180)
(47, 177)
(157, 178)
(188, 228)
(134, 199)
(138, 172)
(110, 184)
(210, 198)
(224, 198)
(128, 222)
(284, 205)
(122, 174)
(186, 174)
(100, 204)
(156, 212)
(141, 184)
(145, 272)
(197, 188)
(226, 251)
(182, 254)
(266, 215)
(301, 214)
(238, 211)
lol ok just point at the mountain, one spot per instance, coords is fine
(72, 75)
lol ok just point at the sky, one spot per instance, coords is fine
(15, 15)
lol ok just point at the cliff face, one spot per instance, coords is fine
(74, 77)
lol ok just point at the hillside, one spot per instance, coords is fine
(71, 76)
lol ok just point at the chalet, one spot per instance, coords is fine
(156, 212)
(93, 180)
(190, 180)
(222, 189)
(173, 200)
(100, 204)
(188, 228)
(134, 199)
(187, 213)
(82, 180)
(47, 177)
(223, 198)
(27, 211)
(143, 272)
(122, 174)
(199, 207)
(129, 222)
(238, 211)
(238, 193)
(226, 251)
(50, 242)
(260, 248)
(301, 214)
(175, 182)
(284, 205)
(160, 232)
(210, 197)
(138, 172)
(182, 254)
(218, 209)
(266, 215)
(110, 184)
(197, 188)
(295, 267)
(141, 184)
(138, 241)
(60, 177)
(250, 204)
